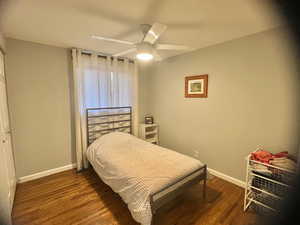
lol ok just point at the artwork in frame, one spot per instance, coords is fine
(196, 86)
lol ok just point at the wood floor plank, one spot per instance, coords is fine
(83, 199)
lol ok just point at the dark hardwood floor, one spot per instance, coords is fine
(82, 198)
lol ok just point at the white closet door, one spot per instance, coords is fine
(7, 167)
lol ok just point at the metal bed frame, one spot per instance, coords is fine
(110, 119)
(110, 122)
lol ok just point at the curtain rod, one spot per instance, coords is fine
(103, 55)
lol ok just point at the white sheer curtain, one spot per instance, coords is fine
(101, 82)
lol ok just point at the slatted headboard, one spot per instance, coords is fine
(102, 121)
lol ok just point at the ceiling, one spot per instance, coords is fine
(195, 23)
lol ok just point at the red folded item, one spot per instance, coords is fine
(262, 156)
(265, 156)
(281, 154)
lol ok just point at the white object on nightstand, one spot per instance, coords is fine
(149, 132)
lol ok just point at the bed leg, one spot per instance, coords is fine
(204, 183)
(153, 220)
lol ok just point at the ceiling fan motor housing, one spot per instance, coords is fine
(145, 28)
(145, 47)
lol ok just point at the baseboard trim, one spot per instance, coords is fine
(227, 178)
(46, 173)
(72, 166)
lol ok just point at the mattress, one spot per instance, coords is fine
(135, 169)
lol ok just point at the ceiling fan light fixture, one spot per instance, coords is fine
(144, 52)
(144, 56)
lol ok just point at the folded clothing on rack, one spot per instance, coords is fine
(265, 156)
(284, 162)
(280, 160)
(262, 169)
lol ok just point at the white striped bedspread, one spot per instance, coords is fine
(135, 169)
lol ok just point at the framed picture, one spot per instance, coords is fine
(196, 86)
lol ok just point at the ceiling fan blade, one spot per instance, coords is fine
(125, 52)
(112, 40)
(172, 47)
(154, 33)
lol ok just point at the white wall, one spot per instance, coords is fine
(38, 82)
(2, 42)
(253, 99)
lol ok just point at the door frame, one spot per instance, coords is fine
(9, 121)
(9, 136)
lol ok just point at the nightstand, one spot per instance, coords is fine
(149, 132)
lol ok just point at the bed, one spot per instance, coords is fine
(146, 176)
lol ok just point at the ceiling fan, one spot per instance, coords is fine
(146, 49)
